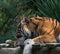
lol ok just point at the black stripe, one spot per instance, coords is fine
(52, 25)
(49, 19)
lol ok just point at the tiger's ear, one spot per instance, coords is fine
(26, 20)
(23, 18)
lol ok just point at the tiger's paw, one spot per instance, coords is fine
(29, 41)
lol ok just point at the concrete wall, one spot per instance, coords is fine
(10, 50)
(42, 50)
(46, 50)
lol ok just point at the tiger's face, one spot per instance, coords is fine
(26, 27)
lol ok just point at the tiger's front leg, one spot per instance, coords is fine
(45, 38)
(41, 38)
(28, 46)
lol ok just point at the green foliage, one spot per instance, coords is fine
(50, 8)
(8, 12)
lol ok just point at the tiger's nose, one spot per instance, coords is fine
(18, 35)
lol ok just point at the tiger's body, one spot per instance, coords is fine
(40, 29)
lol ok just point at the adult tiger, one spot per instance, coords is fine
(39, 29)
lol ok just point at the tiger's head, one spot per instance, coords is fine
(27, 27)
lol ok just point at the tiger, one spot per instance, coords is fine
(39, 29)
(36, 30)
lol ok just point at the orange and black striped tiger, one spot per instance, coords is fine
(39, 29)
